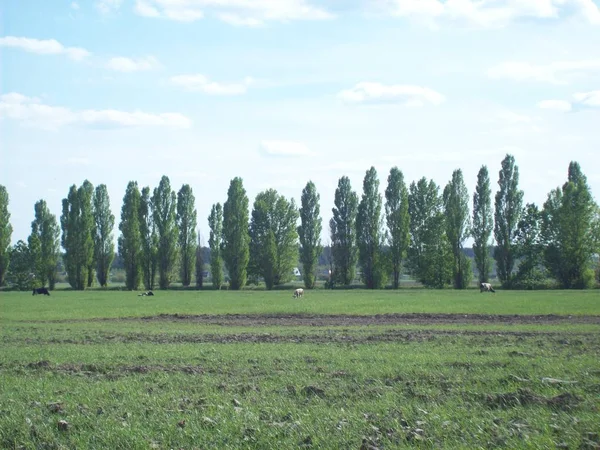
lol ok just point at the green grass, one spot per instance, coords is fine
(90, 304)
(128, 384)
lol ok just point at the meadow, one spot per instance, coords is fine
(335, 369)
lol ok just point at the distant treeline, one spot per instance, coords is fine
(417, 229)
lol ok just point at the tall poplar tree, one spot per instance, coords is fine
(186, 223)
(456, 208)
(309, 233)
(149, 238)
(104, 244)
(164, 202)
(570, 231)
(483, 224)
(398, 222)
(236, 240)
(273, 238)
(130, 241)
(5, 234)
(77, 225)
(529, 246)
(87, 214)
(508, 209)
(370, 236)
(199, 262)
(215, 222)
(430, 253)
(343, 233)
(44, 244)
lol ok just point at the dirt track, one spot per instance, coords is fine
(325, 320)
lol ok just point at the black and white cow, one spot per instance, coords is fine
(486, 287)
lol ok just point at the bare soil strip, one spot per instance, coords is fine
(327, 320)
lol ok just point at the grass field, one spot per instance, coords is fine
(336, 369)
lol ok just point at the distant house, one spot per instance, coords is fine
(297, 272)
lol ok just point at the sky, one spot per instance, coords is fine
(280, 92)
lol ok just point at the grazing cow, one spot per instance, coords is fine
(143, 294)
(487, 287)
(41, 290)
(298, 293)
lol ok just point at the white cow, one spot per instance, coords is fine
(298, 293)
(487, 287)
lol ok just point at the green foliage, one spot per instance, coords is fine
(130, 241)
(398, 222)
(529, 247)
(343, 233)
(199, 263)
(508, 207)
(483, 225)
(104, 244)
(569, 227)
(430, 252)
(5, 234)
(456, 208)
(370, 236)
(149, 239)
(77, 226)
(164, 202)
(236, 240)
(20, 271)
(309, 233)
(215, 222)
(186, 223)
(44, 244)
(273, 238)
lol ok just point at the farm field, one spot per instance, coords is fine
(335, 369)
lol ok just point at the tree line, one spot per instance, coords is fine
(417, 228)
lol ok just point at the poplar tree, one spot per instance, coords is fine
(430, 253)
(44, 244)
(104, 244)
(199, 262)
(273, 238)
(77, 225)
(343, 233)
(508, 208)
(456, 208)
(309, 233)
(483, 225)
(5, 234)
(186, 223)
(571, 222)
(149, 239)
(215, 222)
(236, 240)
(164, 202)
(130, 241)
(398, 222)
(370, 236)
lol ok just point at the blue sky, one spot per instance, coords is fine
(280, 92)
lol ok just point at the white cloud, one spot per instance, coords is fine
(235, 12)
(555, 73)
(107, 6)
(44, 47)
(409, 95)
(75, 5)
(492, 13)
(200, 83)
(33, 112)
(284, 149)
(581, 100)
(556, 105)
(123, 64)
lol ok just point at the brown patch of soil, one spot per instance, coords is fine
(320, 320)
